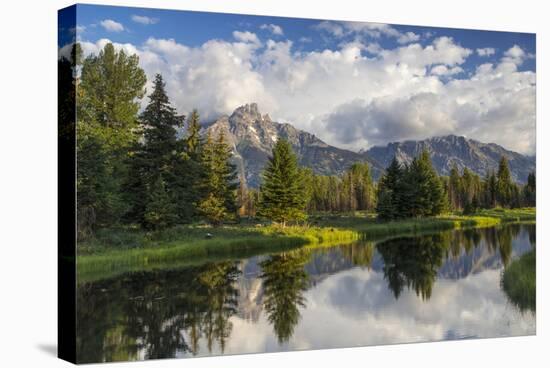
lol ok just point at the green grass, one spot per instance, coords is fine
(115, 251)
(519, 282)
(107, 255)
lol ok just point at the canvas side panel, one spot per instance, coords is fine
(66, 150)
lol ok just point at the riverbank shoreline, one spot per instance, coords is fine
(114, 252)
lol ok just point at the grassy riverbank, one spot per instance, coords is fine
(116, 251)
(519, 281)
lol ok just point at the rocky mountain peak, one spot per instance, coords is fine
(248, 113)
(253, 136)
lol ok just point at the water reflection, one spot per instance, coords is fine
(143, 315)
(412, 262)
(425, 288)
(284, 281)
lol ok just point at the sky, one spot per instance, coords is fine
(353, 84)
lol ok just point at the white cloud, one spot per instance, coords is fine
(514, 55)
(487, 51)
(273, 28)
(374, 30)
(443, 70)
(111, 26)
(247, 37)
(408, 37)
(142, 19)
(354, 96)
(373, 48)
(333, 28)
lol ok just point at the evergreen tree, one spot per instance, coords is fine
(189, 171)
(108, 92)
(156, 155)
(219, 181)
(160, 210)
(413, 191)
(491, 189)
(227, 173)
(212, 209)
(282, 192)
(193, 139)
(389, 192)
(504, 183)
(423, 193)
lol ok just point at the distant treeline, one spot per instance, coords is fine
(134, 168)
(407, 190)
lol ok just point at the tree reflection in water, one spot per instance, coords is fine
(412, 262)
(284, 282)
(144, 315)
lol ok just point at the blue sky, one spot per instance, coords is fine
(353, 84)
(195, 28)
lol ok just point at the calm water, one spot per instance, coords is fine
(426, 288)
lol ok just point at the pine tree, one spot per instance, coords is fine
(389, 192)
(413, 191)
(282, 192)
(423, 192)
(227, 172)
(159, 210)
(504, 183)
(156, 155)
(193, 138)
(219, 181)
(492, 189)
(188, 171)
(212, 207)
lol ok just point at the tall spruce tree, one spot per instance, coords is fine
(389, 192)
(188, 171)
(282, 193)
(155, 157)
(504, 183)
(219, 184)
(423, 193)
(227, 172)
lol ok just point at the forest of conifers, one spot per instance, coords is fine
(137, 167)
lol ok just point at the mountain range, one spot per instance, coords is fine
(252, 137)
